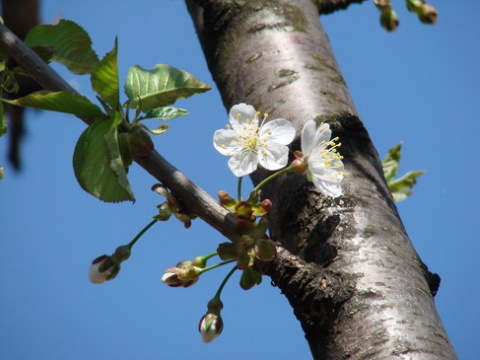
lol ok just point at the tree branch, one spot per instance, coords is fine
(330, 6)
(196, 200)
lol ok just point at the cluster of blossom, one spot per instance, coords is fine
(249, 143)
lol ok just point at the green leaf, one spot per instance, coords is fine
(105, 78)
(73, 47)
(1, 172)
(400, 188)
(150, 89)
(97, 162)
(159, 130)
(3, 121)
(62, 101)
(391, 163)
(165, 113)
(46, 52)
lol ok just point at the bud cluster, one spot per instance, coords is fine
(171, 207)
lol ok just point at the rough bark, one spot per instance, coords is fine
(348, 268)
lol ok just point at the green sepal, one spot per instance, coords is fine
(98, 164)
(105, 78)
(250, 277)
(162, 86)
(73, 46)
(61, 101)
(165, 113)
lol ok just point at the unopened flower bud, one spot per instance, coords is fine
(103, 269)
(428, 14)
(210, 327)
(211, 324)
(389, 20)
(227, 201)
(184, 275)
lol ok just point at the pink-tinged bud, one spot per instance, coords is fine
(184, 275)
(103, 269)
(227, 201)
(262, 208)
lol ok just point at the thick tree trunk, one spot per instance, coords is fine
(347, 266)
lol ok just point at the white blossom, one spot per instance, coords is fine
(319, 152)
(249, 143)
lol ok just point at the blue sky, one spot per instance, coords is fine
(418, 85)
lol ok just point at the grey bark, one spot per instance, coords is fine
(347, 266)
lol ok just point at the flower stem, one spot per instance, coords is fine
(139, 235)
(273, 176)
(239, 188)
(222, 285)
(201, 271)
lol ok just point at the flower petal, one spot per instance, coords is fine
(241, 115)
(322, 137)
(328, 188)
(226, 142)
(243, 163)
(308, 137)
(273, 157)
(280, 131)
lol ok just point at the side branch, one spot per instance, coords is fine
(196, 200)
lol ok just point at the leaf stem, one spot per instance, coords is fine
(201, 271)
